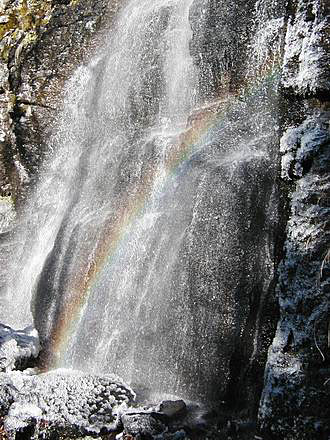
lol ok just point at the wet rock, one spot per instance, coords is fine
(7, 213)
(295, 400)
(179, 435)
(173, 409)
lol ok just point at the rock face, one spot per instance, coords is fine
(7, 214)
(295, 401)
(294, 39)
(41, 42)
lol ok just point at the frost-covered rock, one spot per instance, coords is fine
(299, 145)
(64, 400)
(306, 63)
(143, 424)
(173, 409)
(17, 346)
(296, 398)
(20, 416)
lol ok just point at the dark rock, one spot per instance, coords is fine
(144, 425)
(295, 403)
(179, 435)
(173, 409)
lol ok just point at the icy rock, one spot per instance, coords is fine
(68, 400)
(17, 346)
(20, 416)
(295, 398)
(300, 144)
(8, 349)
(306, 55)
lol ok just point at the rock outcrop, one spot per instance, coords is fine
(295, 401)
(71, 404)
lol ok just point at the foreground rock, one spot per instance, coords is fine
(65, 401)
(69, 404)
(17, 347)
(164, 421)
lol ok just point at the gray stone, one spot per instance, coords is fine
(143, 424)
(173, 409)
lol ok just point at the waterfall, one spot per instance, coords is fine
(148, 226)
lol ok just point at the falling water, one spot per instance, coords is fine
(139, 247)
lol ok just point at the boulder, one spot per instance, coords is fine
(173, 409)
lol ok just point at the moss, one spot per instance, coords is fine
(28, 17)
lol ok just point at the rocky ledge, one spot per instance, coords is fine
(62, 401)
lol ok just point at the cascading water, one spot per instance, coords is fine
(152, 220)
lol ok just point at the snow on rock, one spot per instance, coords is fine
(306, 63)
(20, 416)
(296, 398)
(17, 346)
(142, 424)
(300, 144)
(64, 400)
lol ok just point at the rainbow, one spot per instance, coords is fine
(200, 124)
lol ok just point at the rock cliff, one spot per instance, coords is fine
(295, 400)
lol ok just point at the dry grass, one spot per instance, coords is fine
(325, 261)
